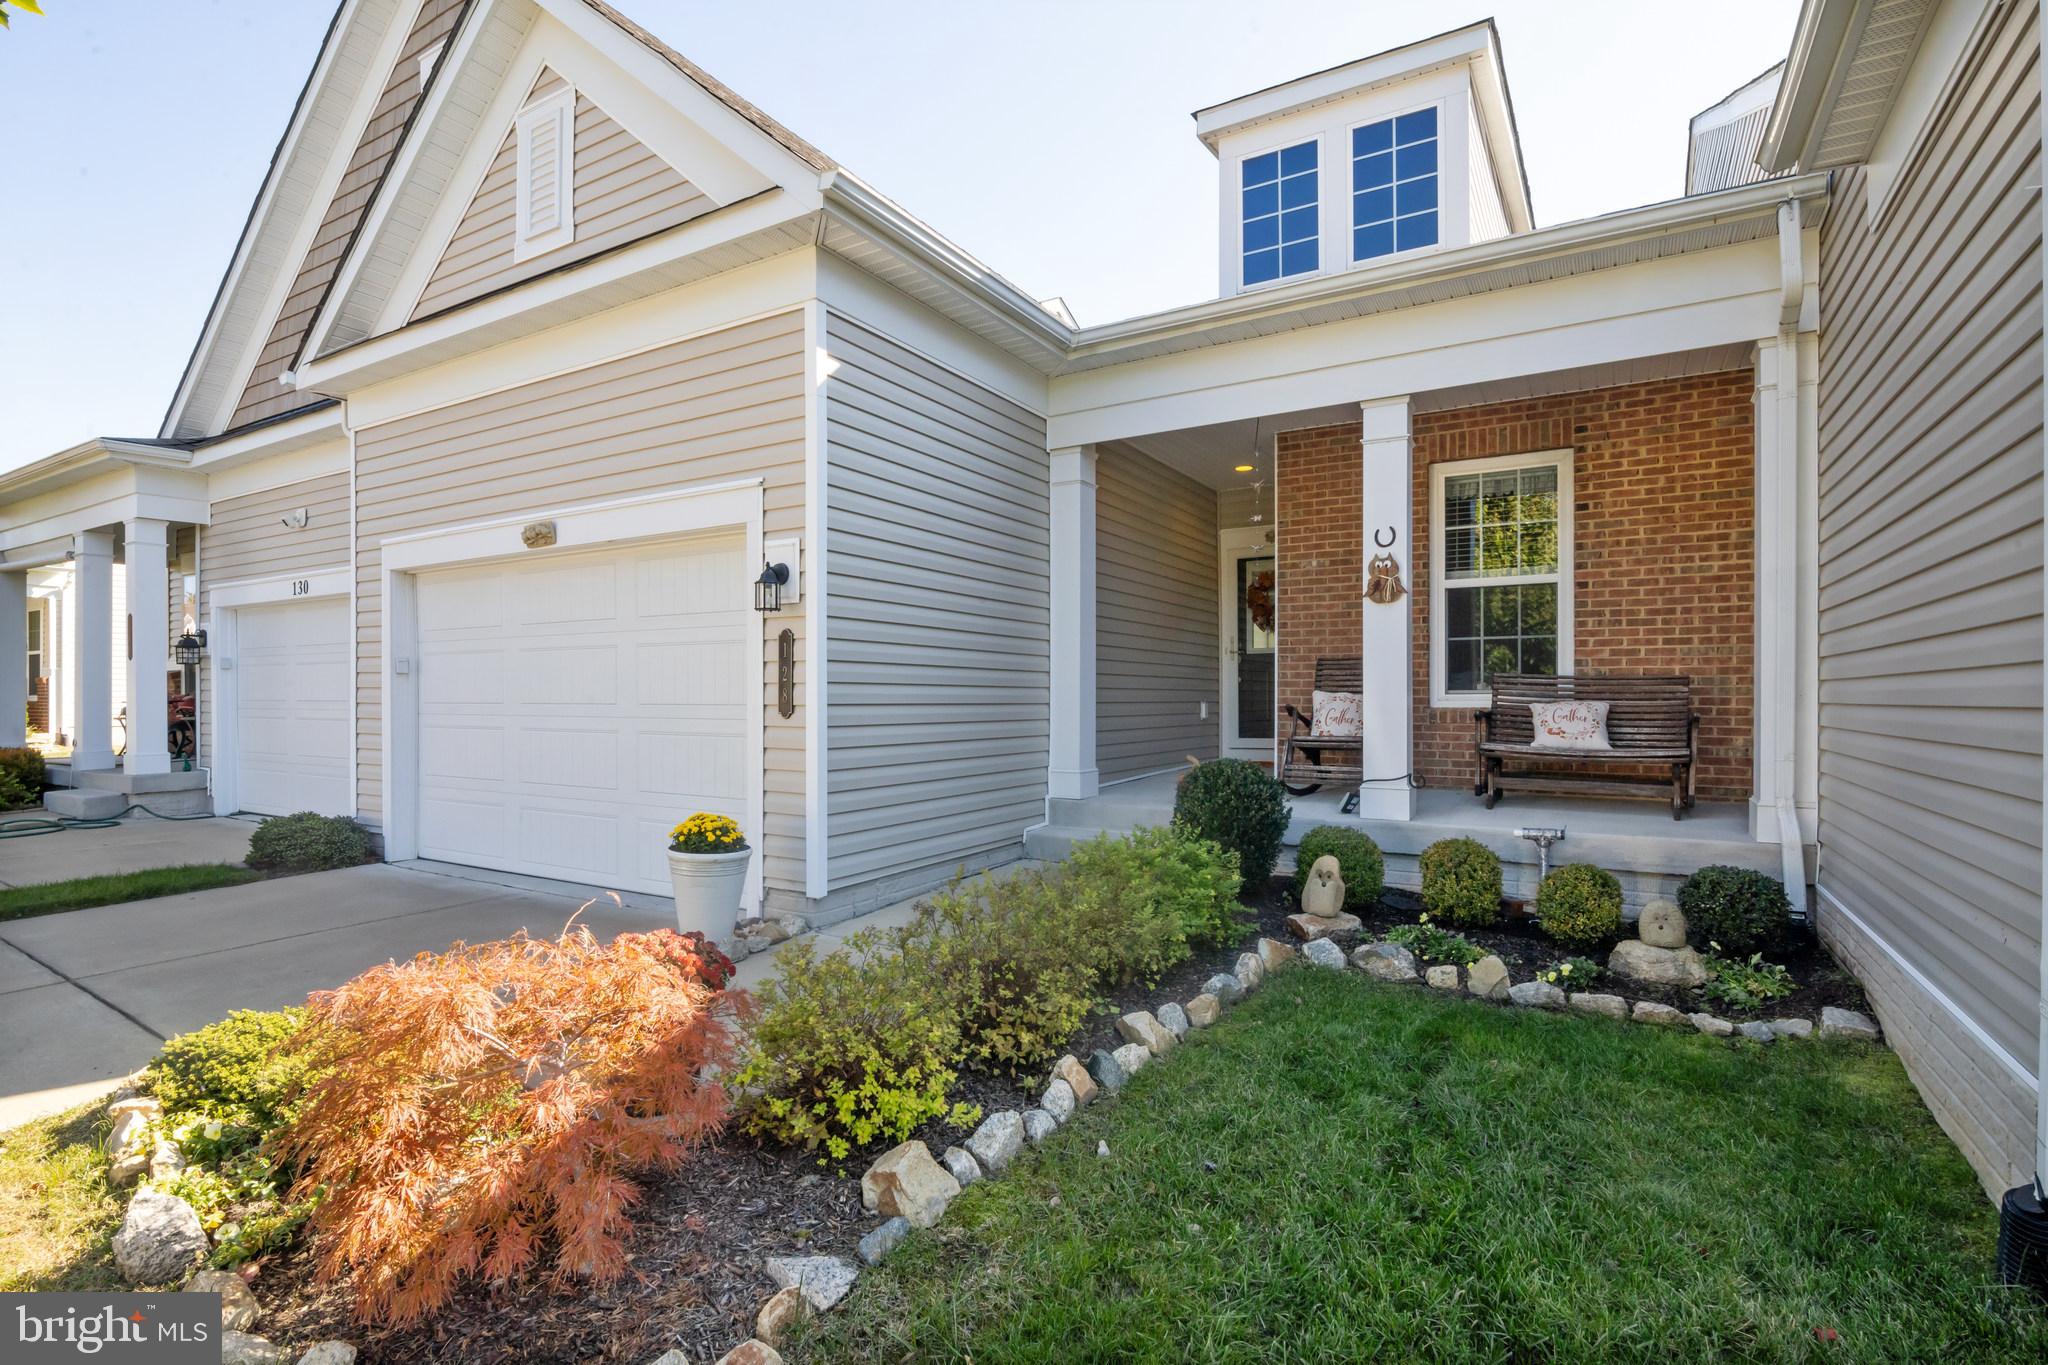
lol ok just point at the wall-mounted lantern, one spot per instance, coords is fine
(189, 647)
(768, 587)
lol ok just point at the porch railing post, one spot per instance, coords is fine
(1073, 774)
(92, 681)
(1386, 642)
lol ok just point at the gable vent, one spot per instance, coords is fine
(546, 213)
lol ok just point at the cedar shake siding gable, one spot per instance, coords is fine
(1931, 598)
(622, 192)
(263, 396)
(1664, 538)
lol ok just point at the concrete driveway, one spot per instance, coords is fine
(135, 845)
(88, 996)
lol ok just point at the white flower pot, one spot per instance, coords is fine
(708, 888)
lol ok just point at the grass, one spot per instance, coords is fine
(1401, 1176)
(82, 893)
(57, 1214)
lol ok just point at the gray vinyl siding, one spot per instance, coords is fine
(247, 539)
(1156, 610)
(724, 406)
(937, 531)
(623, 191)
(1930, 598)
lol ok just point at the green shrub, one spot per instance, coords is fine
(27, 767)
(234, 1071)
(1746, 985)
(1358, 860)
(1741, 910)
(14, 795)
(1004, 955)
(1461, 882)
(1579, 905)
(1432, 944)
(1139, 900)
(1573, 974)
(1240, 806)
(850, 1048)
(309, 843)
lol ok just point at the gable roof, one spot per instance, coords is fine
(1840, 80)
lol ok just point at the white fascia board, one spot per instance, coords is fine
(1698, 300)
(280, 469)
(86, 460)
(1676, 215)
(1823, 41)
(776, 285)
(592, 286)
(113, 491)
(1339, 82)
(261, 442)
(866, 210)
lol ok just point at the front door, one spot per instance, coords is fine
(1247, 630)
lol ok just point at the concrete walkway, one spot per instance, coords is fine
(88, 996)
(135, 845)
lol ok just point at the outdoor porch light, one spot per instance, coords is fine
(768, 587)
(189, 647)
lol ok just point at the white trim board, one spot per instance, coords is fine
(817, 621)
(1229, 542)
(729, 505)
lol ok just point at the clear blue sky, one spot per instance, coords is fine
(139, 131)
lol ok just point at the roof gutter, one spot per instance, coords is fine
(68, 465)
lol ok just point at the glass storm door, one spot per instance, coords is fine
(1249, 642)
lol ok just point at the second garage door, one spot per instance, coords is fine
(291, 708)
(573, 708)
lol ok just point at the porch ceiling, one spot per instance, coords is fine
(1210, 454)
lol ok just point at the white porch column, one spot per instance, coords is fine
(13, 660)
(149, 645)
(92, 680)
(1386, 642)
(1785, 700)
(1074, 774)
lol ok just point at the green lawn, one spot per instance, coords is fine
(1401, 1176)
(57, 1214)
(82, 893)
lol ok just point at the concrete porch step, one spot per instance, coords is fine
(88, 803)
(120, 780)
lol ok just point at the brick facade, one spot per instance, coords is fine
(1664, 540)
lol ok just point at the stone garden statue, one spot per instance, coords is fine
(1324, 894)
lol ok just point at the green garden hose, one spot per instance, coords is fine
(56, 824)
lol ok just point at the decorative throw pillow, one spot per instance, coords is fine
(1336, 714)
(1570, 724)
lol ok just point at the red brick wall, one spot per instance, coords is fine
(1663, 537)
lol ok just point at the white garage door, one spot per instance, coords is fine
(292, 700)
(573, 708)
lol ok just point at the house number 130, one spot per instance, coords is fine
(301, 586)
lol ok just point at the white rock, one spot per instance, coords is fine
(1386, 961)
(134, 1104)
(961, 1166)
(883, 1240)
(1792, 1028)
(1038, 1126)
(1488, 978)
(1058, 1101)
(1101, 1147)
(824, 1280)
(329, 1353)
(1142, 1028)
(1640, 961)
(160, 1240)
(1174, 1019)
(1226, 988)
(996, 1143)
(1536, 995)
(1758, 1031)
(238, 1307)
(1250, 970)
(1274, 954)
(906, 1182)
(1840, 1023)
(240, 1348)
(1712, 1025)
(1203, 1009)
(784, 1310)
(1324, 953)
(128, 1134)
(1593, 1002)
(1650, 1012)
(1443, 976)
(1132, 1057)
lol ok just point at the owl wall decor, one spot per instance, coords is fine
(1383, 580)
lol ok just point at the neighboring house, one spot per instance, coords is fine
(539, 342)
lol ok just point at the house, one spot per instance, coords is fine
(539, 344)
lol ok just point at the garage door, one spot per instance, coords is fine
(292, 700)
(573, 708)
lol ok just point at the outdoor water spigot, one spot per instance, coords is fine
(1543, 839)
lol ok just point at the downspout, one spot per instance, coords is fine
(1785, 673)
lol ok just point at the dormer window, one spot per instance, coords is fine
(1394, 175)
(1281, 226)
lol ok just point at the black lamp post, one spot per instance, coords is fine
(768, 587)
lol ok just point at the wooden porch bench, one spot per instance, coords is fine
(1311, 759)
(1650, 722)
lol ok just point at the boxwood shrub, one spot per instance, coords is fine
(1740, 910)
(1461, 882)
(1358, 861)
(1240, 806)
(1580, 905)
(236, 1071)
(309, 843)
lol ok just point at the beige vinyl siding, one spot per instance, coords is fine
(1156, 616)
(623, 192)
(937, 528)
(723, 406)
(247, 539)
(1930, 605)
(264, 396)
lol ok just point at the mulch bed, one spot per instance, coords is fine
(697, 1274)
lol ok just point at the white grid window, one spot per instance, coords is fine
(1501, 600)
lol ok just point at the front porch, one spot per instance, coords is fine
(1637, 840)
